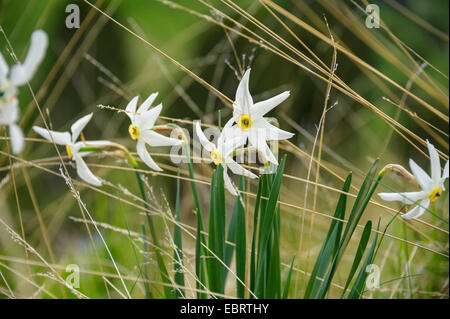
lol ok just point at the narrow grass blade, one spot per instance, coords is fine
(200, 255)
(231, 239)
(266, 226)
(178, 253)
(161, 265)
(200, 242)
(211, 260)
(360, 281)
(220, 215)
(255, 235)
(274, 271)
(366, 191)
(330, 245)
(241, 240)
(359, 254)
(288, 280)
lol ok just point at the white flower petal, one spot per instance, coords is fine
(79, 125)
(3, 68)
(244, 100)
(130, 110)
(263, 107)
(227, 147)
(238, 169)
(22, 73)
(9, 113)
(155, 139)
(61, 138)
(417, 211)
(406, 198)
(145, 156)
(84, 172)
(237, 111)
(17, 139)
(444, 174)
(423, 179)
(230, 131)
(435, 163)
(259, 142)
(227, 132)
(147, 103)
(271, 132)
(146, 120)
(202, 138)
(228, 184)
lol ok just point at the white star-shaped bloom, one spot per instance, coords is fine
(223, 154)
(73, 148)
(141, 129)
(431, 186)
(11, 79)
(250, 121)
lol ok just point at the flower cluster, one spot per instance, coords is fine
(10, 79)
(247, 129)
(247, 125)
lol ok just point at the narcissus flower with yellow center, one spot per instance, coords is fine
(141, 129)
(76, 150)
(10, 79)
(431, 186)
(250, 121)
(222, 154)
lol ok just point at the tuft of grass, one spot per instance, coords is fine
(336, 243)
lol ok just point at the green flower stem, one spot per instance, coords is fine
(200, 265)
(132, 161)
(162, 267)
(89, 149)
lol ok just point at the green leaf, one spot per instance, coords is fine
(360, 281)
(178, 253)
(255, 234)
(161, 265)
(211, 259)
(359, 254)
(288, 280)
(241, 241)
(220, 216)
(265, 229)
(200, 244)
(365, 193)
(331, 243)
(231, 239)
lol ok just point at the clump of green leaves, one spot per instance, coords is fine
(337, 240)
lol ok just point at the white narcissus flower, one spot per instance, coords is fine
(10, 80)
(141, 129)
(250, 121)
(432, 186)
(223, 154)
(75, 149)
